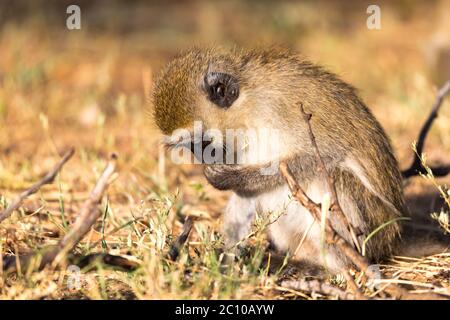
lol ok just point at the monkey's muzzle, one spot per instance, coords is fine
(194, 144)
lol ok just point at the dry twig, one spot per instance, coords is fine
(88, 215)
(416, 166)
(319, 287)
(335, 206)
(47, 179)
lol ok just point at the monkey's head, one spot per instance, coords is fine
(228, 90)
(198, 85)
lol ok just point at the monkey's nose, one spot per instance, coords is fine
(203, 143)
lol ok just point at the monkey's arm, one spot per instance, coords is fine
(244, 180)
(251, 179)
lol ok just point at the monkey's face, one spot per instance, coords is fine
(200, 86)
(222, 93)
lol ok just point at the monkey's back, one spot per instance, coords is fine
(358, 150)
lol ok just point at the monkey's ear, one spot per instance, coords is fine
(222, 89)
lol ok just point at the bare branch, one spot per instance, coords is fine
(416, 166)
(319, 287)
(47, 179)
(335, 206)
(88, 215)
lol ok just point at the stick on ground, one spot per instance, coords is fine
(88, 215)
(319, 287)
(47, 179)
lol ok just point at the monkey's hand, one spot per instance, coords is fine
(244, 180)
(224, 176)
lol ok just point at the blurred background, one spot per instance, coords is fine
(103, 73)
(90, 88)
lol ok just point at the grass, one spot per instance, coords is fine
(89, 90)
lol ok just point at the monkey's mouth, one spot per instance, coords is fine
(194, 146)
(173, 142)
(197, 146)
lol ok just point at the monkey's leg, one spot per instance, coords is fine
(373, 212)
(366, 212)
(237, 221)
(297, 232)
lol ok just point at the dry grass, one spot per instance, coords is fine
(89, 90)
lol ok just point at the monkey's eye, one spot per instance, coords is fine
(222, 89)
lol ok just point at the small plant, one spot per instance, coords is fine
(443, 216)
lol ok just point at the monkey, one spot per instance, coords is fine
(264, 87)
